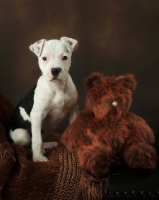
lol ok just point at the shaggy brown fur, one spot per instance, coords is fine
(103, 132)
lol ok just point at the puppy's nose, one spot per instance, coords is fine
(55, 71)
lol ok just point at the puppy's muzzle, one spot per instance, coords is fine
(55, 71)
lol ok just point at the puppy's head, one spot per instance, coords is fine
(54, 57)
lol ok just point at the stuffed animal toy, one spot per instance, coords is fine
(106, 129)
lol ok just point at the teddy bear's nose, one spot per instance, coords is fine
(114, 103)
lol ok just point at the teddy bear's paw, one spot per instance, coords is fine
(95, 161)
(141, 156)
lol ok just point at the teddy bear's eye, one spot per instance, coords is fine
(44, 58)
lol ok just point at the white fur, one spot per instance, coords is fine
(54, 98)
(24, 115)
(20, 136)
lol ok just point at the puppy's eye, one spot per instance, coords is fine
(64, 57)
(44, 58)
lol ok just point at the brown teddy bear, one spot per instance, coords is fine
(106, 129)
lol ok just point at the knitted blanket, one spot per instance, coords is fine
(60, 178)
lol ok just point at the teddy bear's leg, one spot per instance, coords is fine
(140, 155)
(94, 159)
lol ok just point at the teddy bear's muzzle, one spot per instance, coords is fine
(114, 103)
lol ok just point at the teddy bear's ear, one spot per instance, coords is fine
(95, 79)
(128, 81)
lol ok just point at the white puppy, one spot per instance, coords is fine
(53, 97)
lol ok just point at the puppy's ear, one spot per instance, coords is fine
(37, 47)
(95, 79)
(128, 81)
(70, 43)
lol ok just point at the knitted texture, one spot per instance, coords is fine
(59, 179)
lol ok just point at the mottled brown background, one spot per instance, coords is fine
(115, 37)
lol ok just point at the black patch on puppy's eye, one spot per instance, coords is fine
(64, 57)
(44, 58)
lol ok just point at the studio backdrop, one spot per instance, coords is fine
(115, 38)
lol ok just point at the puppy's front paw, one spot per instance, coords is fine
(49, 145)
(40, 158)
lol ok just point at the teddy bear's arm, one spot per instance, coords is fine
(74, 135)
(141, 130)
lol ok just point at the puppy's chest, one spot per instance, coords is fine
(57, 109)
(60, 103)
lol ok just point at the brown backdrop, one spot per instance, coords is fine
(115, 37)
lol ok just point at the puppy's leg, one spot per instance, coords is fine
(20, 136)
(37, 149)
(49, 145)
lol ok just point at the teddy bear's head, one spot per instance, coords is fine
(109, 96)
